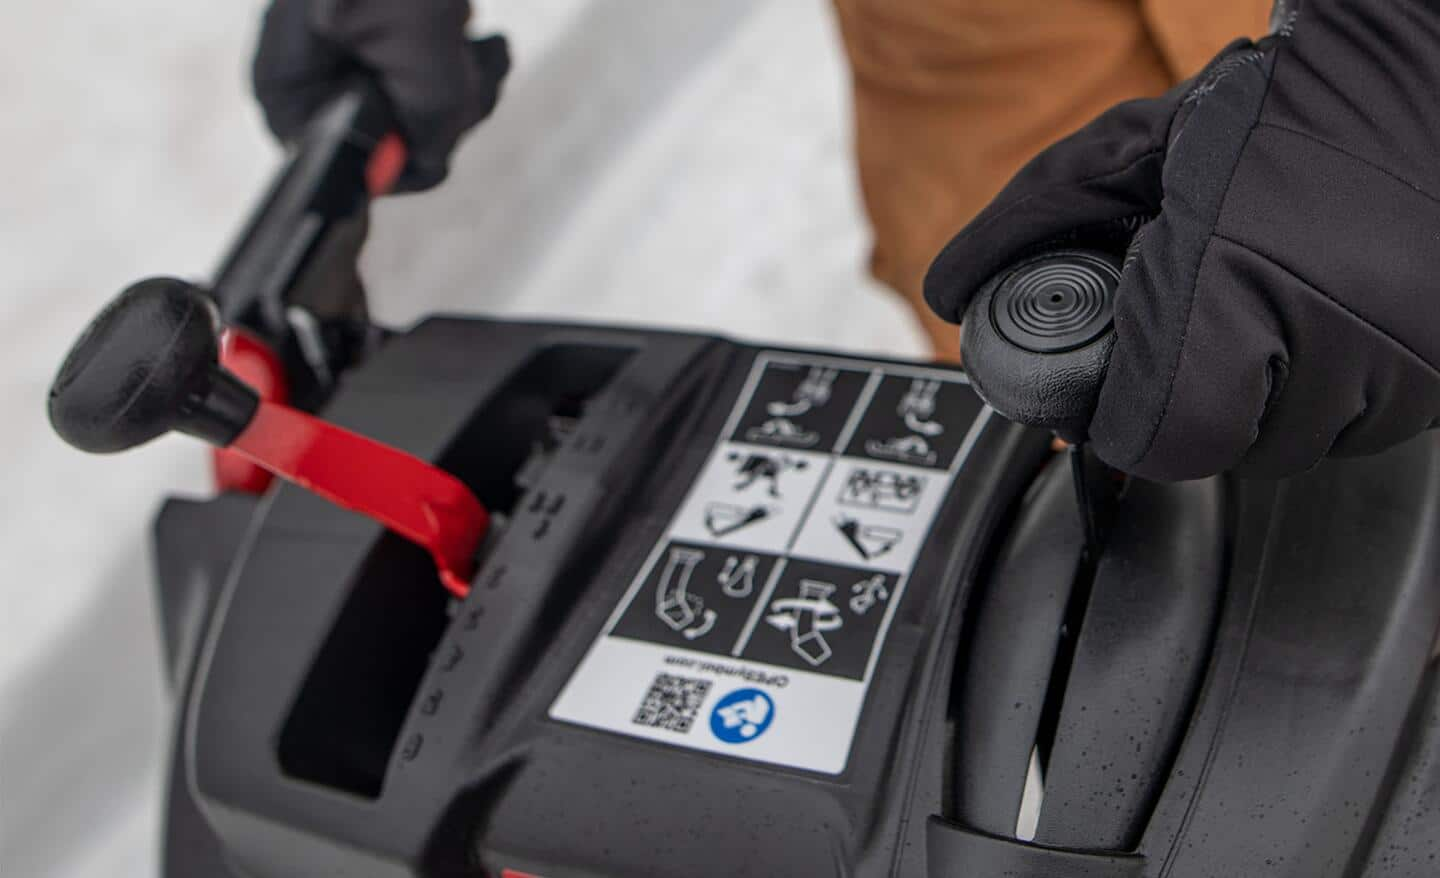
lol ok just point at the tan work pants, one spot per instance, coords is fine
(953, 96)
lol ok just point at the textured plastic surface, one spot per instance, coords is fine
(1304, 676)
(1103, 686)
(1139, 658)
(998, 712)
(195, 543)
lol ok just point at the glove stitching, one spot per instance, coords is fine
(1378, 330)
(1218, 73)
(1350, 155)
(1132, 252)
(1179, 350)
(1283, 17)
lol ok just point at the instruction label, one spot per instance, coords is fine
(755, 624)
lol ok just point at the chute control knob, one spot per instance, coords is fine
(146, 365)
(1037, 339)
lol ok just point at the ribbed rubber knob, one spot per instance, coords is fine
(1037, 338)
(1054, 304)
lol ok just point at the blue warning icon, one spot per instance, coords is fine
(742, 716)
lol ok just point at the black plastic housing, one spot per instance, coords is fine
(343, 719)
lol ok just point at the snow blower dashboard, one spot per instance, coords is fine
(760, 611)
(637, 603)
(699, 620)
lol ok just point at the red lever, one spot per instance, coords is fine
(255, 363)
(385, 165)
(150, 363)
(416, 500)
(421, 502)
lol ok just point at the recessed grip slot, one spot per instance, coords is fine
(345, 722)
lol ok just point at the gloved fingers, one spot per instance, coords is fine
(1197, 349)
(1185, 396)
(1351, 389)
(1369, 433)
(294, 72)
(1259, 372)
(1092, 188)
(1271, 376)
(492, 59)
(432, 131)
(439, 83)
(439, 98)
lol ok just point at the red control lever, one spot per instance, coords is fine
(421, 502)
(256, 363)
(150, 364)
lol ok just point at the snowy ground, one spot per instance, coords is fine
(671, 163)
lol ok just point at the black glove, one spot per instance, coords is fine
(438, 81)
(1280, 300)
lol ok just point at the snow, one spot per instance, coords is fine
(672, 164)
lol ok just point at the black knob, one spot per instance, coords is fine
(1037, 339)
(148, 364)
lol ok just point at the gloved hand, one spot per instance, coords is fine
(438, 81)
(1280, 299)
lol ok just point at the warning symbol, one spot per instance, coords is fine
(823, 618)
(813, 391)
(869, 540)
(742, 716)
(799, 406)
(782, 431)
(917, 407)
(915, 410)
(868, 593)
(697, 597)
(877, 488)
(906, 449)
(737, 577)
(674, 604)
(726, 518)
(750, 498)
(807, 618)
(916, 421)
(787, 557)
(763, 469)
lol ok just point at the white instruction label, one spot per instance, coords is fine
(754, 627)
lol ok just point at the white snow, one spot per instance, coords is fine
(661, 163)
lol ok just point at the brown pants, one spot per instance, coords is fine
(953, 96)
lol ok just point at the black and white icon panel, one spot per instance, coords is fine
(872, 514)
(823, 618)
(800, 406)
(919, 420)
(696, 597)
(883, 487)
(751, 496)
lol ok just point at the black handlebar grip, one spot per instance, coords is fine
(1037, 339)
(148, 364)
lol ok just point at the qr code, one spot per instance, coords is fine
(671, 703)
